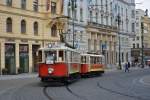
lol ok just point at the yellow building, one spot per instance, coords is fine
(146, 34)
(26, 25)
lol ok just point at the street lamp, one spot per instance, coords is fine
(73, 5)
(142, 49)
(118, 20)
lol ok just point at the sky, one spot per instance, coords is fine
(144, 4)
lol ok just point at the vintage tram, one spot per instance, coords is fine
(59, 63)
(92, 64)
(63, 64)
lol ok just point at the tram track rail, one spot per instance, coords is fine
(120, 93)
(46, 93)
(75, 94)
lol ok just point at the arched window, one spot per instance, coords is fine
(23, 4)
(54, 31)
(23, 26)
(9, 2)
(91, 16)
(35, 26)
(9, 25)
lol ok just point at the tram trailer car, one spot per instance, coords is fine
(92, 64)
(59, 64)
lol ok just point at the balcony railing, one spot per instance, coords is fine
(102, 26)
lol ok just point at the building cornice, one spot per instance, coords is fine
(25, 37)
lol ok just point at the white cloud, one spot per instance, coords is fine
(145, 4)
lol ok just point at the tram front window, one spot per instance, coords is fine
(50, 57)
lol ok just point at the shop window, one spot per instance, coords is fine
(40, 56)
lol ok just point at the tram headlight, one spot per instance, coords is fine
(50, 70)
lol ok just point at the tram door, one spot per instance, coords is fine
(24, 58)
(10, 64)
(68, 60)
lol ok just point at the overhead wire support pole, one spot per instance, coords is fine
(119, 21)
(73, 5)
(142, 49)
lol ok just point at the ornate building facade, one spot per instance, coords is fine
(126, 10)
(26, 25)
(101, 30)
(76, 10)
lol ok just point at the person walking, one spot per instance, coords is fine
(129, 65)
(126, 67)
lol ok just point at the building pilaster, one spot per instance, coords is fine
(2, 51)
(17, 56)
(30, 58)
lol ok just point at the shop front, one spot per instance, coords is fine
(23, 58)
(10, 65)
(35, 57)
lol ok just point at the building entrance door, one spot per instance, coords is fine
(10, 62)
(34, 57)
(24, 58)
(0, 61)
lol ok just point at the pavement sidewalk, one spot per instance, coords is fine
(18, 76)
(34, 75)
(114, 69)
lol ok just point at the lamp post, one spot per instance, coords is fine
(73, 5)
(118, 19)
(142, 49)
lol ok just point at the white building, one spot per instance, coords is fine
(136, 42)
(96, 26)
(126, 10)
(101, 30)
(80, 14)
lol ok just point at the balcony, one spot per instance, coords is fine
(101, 26)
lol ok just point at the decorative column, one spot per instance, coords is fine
(17, 56)
(30, 57)
(2, 51)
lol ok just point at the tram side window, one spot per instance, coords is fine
(61, 56)
(99, 60)
(83, 59)
(75, 57)
(71, 57)
(95, 60)
(91, 60)
(40, 56)
(103, 61)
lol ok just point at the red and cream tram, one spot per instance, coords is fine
(59, 63)
(92, 64)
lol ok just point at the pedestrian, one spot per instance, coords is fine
(129, 65)
(126, 67)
